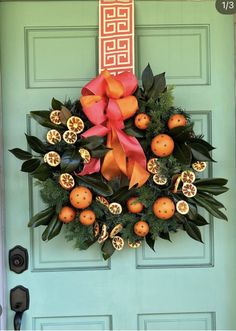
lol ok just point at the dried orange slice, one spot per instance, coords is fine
(118, 243)
(55, 117)
(188, 176)
(176, 184)
(182, 207)
(135, 244)
(102, 200)
(96, 229)
(153, 166)
(199, 166)
(66, 181)
(102, 239)
(159, 179)
(189, 190)
(75, 124)
(53, 136)
(116, 230)
(53, 159)
(69, 137)
(84, 153)
(115, 208)
(104, 234)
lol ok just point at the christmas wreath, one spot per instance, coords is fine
(122, 164)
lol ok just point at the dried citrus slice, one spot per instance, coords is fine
(75, 124)
(153, 166)
(55, 117)
(118, 243)
(102, 239)
(135, 244)
(188, 176)
(159, 179)
(53, 159)
(116, 230)
(102, 200)
(182, 207)
(115, 208)
(84, 153)
(176, 184)
(69, 137)
(66, 181)
(199, 166)
(45, 158)
(96, 229)
(53, 136)
(104, 234)
(189, 190)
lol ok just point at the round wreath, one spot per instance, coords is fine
(121, 164)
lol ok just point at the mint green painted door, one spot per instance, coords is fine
(50, 49)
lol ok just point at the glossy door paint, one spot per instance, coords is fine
(50, 49)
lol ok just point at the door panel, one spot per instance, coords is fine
(50, 49)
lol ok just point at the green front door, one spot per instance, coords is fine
(49, 49)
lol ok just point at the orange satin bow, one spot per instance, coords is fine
(107, 101)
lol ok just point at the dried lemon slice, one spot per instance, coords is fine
(188, 176)
(66, 181)
(53, 137)
(189, 190)
(96, 229)
(182, 207)
(135, 244)
(199, 166)
(118, 243)
(84, 153)
(75, 124)
(55, 117)
(102, 200)
(116, 230)
(159, 179)
(69, 137)
(153, 166)
(115, 208)
(53, 159)
(176, 184)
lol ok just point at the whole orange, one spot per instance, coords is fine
(162, 145)
(164, 208)
(67, 214)
(176, 120)
(87, 217)
(134, 206)
(81, 197)
(141, 228)
(142, 121)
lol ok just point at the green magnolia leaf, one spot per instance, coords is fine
(182, 153)
(20, 154)
(42, 173)
(164, 235)
(92, 142)
(122, 194)
(53, 228)
(213, 189)
(87, 243)
(200, 221)
(214, 211)
(56, 104)
(211, 199)
(30, 165)
(192, 214)
(158, 87)
(70, 160)
(134, 132)
(211, 181)
(43, 118)
(193, 231)
(181, 133)
(107, 249)
(147, 78)
(100, 151)
(95, 183)
(41, 218)
(200, 152)
(201, 142)
(65, 114)
(150, 241)
(36, 144)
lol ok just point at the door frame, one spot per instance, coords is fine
(3, 253)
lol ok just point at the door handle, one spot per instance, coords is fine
(19, 301)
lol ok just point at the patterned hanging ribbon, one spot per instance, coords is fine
(116, 35)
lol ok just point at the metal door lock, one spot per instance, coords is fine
(18, 259)
(19, 301)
